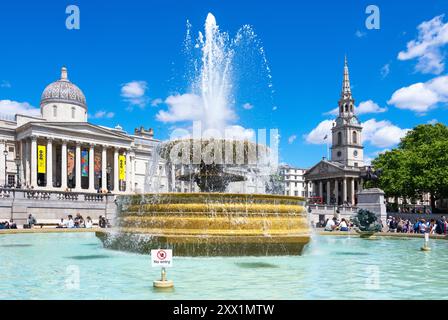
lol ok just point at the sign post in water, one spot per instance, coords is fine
(162, 258)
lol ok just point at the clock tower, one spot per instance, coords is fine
(347, 146)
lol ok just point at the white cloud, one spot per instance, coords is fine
(292, 138)
(185, 107)
(102, 115)
(156, 102)
(369, 107)
(420, 97)
(364, 107)
(427, 48)
(360, 34)
(134, 92)
(317, 135)
(432, 121)
(274, 108)
(11, 108)
(248, 106)
(239, 133)
(385, 70)
(382, 134)
(190, 107)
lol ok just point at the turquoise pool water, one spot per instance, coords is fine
(76, 266)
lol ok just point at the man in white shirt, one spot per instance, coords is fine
(331, 224)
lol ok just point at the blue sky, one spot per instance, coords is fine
(139, 43)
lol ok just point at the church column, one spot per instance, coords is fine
(321, 191)
(64, 165)
(361, 184)
(92, 168)
(34, 161)
(133, 161)
(104, 168)
(116, 180)
(352, 191)
(49, 163)
(27, 162)
(336, 191)
(344, 190)
(78, 167)
(328, 192)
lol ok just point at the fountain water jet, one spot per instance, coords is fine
(212, 222)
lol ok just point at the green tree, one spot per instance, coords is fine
(419, 165)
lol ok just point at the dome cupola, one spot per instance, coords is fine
(62, 100)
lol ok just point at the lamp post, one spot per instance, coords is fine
(18, 161)
(5, 153)
(108, 171)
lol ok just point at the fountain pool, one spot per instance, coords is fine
(44, 266)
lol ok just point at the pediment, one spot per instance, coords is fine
(324, 167)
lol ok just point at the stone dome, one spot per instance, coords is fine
(63, 91)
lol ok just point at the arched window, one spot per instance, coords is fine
(346, 108)
(341, 109)
(73, 113)
(355, 137)
(339, 138)
(351, 108)
(55, 111)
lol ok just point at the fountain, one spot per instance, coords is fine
(211, 222)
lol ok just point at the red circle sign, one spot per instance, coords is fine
(161, 254)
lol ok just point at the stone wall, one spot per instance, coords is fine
(51, 206)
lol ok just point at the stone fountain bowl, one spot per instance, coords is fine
(210, 224)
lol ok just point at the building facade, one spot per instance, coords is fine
(294, 181)
(336, 181)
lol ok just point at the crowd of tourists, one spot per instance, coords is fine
(79, 222)
(431, 226)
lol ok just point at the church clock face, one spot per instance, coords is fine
(355, 153)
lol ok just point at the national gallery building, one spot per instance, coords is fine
(61, 151)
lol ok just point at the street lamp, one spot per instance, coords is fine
(5, 153)
(18, 161)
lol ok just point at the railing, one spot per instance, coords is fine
(45, 195)
(329, 209)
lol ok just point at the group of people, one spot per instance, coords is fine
(79, 222)
(335, 225)
(431, 226)
(8, 225)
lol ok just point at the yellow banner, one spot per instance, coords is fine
(41, 159)
(122, 167)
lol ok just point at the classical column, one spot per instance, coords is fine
(92, 168)
(33, 162)
(336, 191)
(321, 190)
(361, 184)
(344, 190)
(27, 162)
(104, 168)
(128, 172)
(116, 180)
(64, 165)
(78, 167)
(352, 191)
(328, 192)
(49, 163)
(134, 166)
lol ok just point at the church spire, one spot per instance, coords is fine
(346, 90)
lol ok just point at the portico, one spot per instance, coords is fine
(79, 157)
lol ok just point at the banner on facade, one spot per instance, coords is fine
(84, 163)
(97, 164)
(122, 167)
(41, 159)
(71, 163)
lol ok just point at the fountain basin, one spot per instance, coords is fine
(210, 224)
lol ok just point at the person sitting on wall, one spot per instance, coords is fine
(12, 224)
(89, 223)
(343, 226)
(70, 223)
(62, 224)
(331, 224)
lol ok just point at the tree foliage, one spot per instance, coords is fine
(418, 165)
